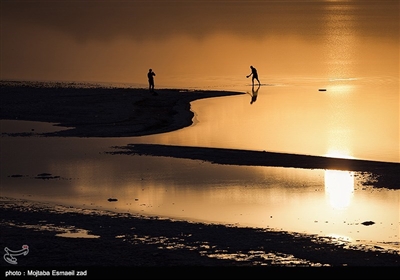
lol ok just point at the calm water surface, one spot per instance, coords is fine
(350, 50)
(325, 202)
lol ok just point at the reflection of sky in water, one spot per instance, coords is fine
(310, 201)
(360, 122)
(323, 45)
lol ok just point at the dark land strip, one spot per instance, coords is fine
(383, 174)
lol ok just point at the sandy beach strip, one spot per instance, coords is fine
(128, 241)
(96, 111)
(383, 174)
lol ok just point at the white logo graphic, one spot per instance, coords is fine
(9, 256)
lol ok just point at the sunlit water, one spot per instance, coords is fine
(331, 92)
(325, 202)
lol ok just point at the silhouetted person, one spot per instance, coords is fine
(255, 94)
(254, 74)
(150, 77)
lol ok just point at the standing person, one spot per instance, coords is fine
(255, 75)
(150, 77)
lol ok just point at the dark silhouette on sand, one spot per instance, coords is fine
(150, 77)
(254, 74)
(254, 94)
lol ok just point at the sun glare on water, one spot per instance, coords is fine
(339, 188)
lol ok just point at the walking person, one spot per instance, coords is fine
(254, 74)
(150, 76)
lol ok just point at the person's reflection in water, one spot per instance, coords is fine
(254, 94)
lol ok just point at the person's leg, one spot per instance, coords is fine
(152, 88)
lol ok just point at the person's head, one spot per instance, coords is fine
(150, 70)
(251, 67)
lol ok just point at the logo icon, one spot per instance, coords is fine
(10, 255)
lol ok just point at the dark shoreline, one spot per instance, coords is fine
(95, 111)
(152, 241)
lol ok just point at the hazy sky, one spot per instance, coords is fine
(117, 41)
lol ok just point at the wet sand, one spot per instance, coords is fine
(176, 248)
